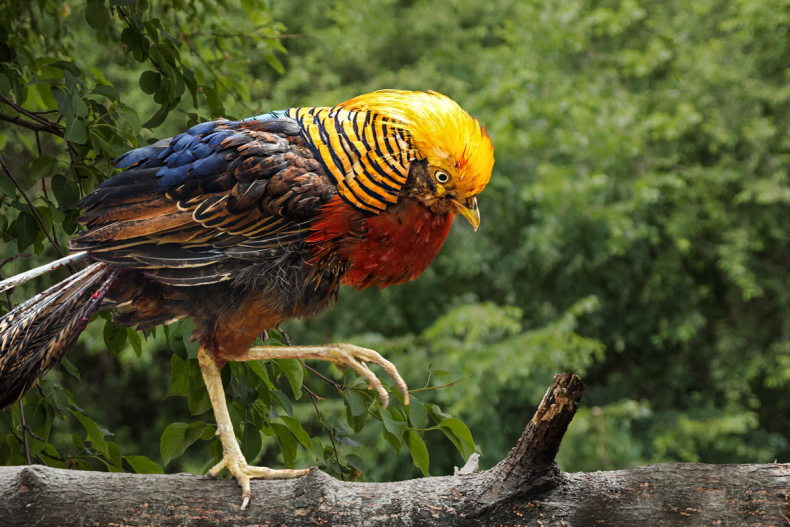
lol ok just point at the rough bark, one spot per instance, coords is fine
(526, 488)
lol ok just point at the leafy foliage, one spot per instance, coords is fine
(634, 230)
(188, 59)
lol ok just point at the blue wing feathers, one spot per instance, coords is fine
(203, 150)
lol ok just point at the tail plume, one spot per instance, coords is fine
(38, 271)
(37, 334)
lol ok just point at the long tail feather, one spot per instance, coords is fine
(36, 335)
(38, 271)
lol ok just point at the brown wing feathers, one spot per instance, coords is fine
(197, 208)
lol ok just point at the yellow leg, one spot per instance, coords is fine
(344, 355)
(232, 458)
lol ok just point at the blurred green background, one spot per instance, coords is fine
(635, 230)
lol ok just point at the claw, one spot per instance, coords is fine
(243, 473)
(357, 358)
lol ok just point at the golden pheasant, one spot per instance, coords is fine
(243, 225)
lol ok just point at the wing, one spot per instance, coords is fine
(204, 205)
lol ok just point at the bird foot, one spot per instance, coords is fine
(243, 473)
(350, 356)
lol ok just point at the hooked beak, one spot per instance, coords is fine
(469, 211)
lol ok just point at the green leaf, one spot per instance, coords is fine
(114, 337)
(393, 422)
(179, 377)
(198, 399)
(251, 442)
(158, 118)
(134, 339)
(109, 92)
(356, 402)
(417, 414)
(5, 84)
(132, 119)
(177, 437)
(143, 465)
(296, 428)
(274, 62)
(66, 191)
(317, 448)
(70, 368)
(97, 15)
(114, 455)
(284, 401)
(26, 230)
(150, 81)
(78, 105)
(213, 99)
(293, 370)
(287, 444)
(356, 462)
(77, 132)
(260, 370)
(43, 166)
(418, 451)
(460, 435)
(66, 66)
(392, 440)
(95, 435)
(7, 187)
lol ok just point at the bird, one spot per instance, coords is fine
(242, 225)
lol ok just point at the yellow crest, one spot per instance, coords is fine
(440, 130)
(366, 145)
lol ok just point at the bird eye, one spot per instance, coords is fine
(441, 177)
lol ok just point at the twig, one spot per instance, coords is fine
(210, 68)
(9, 292)
(44, 187)
(335, 385)
(126, 20)
(11, 259)
(426, 388)
(41, 120)
(312, 393)
(33, 126)
(284, 334)
(56, 458)
(328, 431)
(33, 209)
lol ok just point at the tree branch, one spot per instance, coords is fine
(31, 126)
(524, 489)
(34, 210)
(39, 124)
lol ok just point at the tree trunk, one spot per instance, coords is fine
(526, 488)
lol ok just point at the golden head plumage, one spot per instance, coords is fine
(442, 132)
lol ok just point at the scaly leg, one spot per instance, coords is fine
(343, 355)
(232, 458)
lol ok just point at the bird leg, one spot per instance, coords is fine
(232, 458)
(343, 355)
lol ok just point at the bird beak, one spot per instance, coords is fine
(469, 211)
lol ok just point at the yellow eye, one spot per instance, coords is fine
(441, 177)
